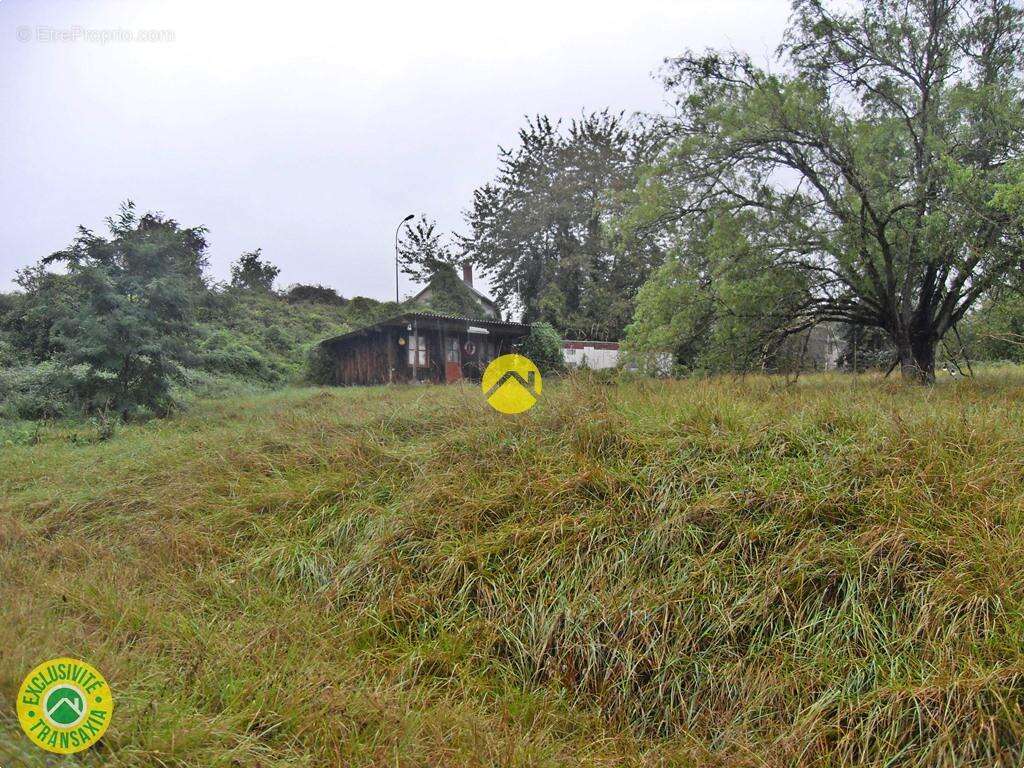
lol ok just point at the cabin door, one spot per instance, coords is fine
(452, 359)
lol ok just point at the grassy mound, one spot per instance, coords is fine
(733, 573)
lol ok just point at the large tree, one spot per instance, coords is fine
(132, 316)
(539, 230)
(876, 161)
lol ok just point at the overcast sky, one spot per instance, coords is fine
(310, 128)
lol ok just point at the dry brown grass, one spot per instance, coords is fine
(733, 573)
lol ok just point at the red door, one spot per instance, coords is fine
(453, 360)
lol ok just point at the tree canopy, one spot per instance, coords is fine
(715, 303)
(424, 251)
(881, 163)
(540, 230)
(131, 313)
(252, 272)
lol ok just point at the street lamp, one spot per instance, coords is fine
(407, 218)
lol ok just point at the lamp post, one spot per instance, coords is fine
(407, 218)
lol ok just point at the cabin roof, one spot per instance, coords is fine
(450, 320)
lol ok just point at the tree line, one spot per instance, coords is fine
(875, 180)
(112, 323)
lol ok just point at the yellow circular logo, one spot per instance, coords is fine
(64, 705)
(511, 384)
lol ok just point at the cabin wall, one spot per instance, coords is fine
(433, 371)
(485, 347)
(378, 357)
(363, 360)
(381, 355)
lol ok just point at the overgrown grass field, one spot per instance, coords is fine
(714, 573)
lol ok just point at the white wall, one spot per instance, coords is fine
(596, 359)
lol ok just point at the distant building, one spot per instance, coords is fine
(825, 347)
(816, 349)
(445, 293)
(595, 355)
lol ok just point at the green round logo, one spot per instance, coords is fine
(64, 706)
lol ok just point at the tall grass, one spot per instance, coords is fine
(720, 572)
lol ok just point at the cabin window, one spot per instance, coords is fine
(418, 350)
(452, 353)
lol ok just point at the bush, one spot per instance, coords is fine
(44, 391)
(9, 357)
(196, 383)
(544, 347)
(314, 294)
(277, 340)
(262, 337)
(223, 352)
(996, 331)
(319, 366)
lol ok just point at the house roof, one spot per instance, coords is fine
(406, 317)
(446, 292)
(483, 297)
(588, 344)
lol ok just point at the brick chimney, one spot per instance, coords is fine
(467, 273)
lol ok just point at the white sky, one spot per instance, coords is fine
(311, 128)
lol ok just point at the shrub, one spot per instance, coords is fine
(996, 331)
(196, 383)
(223, 352)
(8, 355)
(544, 347)
(276, 339)
(47, 390)
(319, 365)
(314, 294)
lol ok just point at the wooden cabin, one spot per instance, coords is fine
(421, 346)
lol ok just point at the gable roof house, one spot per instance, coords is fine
(451, 332)
(446, 293)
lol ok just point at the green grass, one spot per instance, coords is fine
(722, 572)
